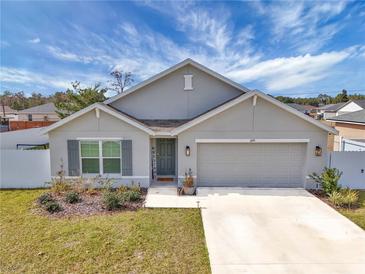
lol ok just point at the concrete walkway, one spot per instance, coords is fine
(166, 197)
(278, 231)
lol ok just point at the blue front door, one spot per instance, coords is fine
(165, 156)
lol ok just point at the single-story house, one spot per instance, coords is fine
(45, 112)
(191, 117)
(351, 131)
(8, 113)
(306, 109)
(331, 110)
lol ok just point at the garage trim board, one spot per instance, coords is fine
(251, 141)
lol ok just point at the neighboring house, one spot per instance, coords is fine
(8, 113)
(306, 109)
(351, 128)
(45, 112)
(331, 110)
(190, 117)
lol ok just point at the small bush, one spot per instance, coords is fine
(335, 198)
(328, 180)
(349, 197)
(112, 200)
(346, 197)
(72, 197)
(131, 196)
(53, 207)
(45, 198)
(122, 189)
(135, 187)
(59, 187)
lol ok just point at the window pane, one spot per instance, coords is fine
(90, 165)
(90, 149)
(111, 165)
(111, 149)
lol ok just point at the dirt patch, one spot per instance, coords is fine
(90, 204)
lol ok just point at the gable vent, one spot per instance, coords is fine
(188, 82)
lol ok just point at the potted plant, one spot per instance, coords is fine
(188, 183)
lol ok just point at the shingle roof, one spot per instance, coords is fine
(45, 108)
(164, 124)
(352, 117)
(361, 103)
(333, 107)
(301, 107)
(7, 109)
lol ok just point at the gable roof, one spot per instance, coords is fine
(356, 117)
(7, 109)
(300, 107)
(172, 69)
(360, 103)
(105, 108)
(45, 108)
(333, 107)
(244, 97)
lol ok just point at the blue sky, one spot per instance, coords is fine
(282, 48)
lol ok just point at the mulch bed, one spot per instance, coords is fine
(90, 204)
(324, 198)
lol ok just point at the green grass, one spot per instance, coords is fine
(357, 215)
(144, 241)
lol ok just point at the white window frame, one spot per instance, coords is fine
(100, 157)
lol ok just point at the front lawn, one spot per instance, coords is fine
(142, 241)
(357, 215)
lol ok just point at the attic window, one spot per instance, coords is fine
(188, 82)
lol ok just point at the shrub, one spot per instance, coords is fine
(328, 179)
(72, 197)
(135, 187)
(59, 187)
(53, 207)
(131, 196)
(112, 200)
(349, 197)
(346, 197)
(122, 189)
(45, 198)
(335, 198)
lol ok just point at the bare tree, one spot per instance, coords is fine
(121, 80)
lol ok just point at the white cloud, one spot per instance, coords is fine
(35, 40)
(68, 56)
(59, 81)
(305, 25)
(287, 73)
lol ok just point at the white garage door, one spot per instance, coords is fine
(251, 165)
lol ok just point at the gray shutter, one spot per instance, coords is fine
(73, 158)
(127, 168)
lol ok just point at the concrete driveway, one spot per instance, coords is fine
(278, 231)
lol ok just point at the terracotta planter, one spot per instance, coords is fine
(189, 190)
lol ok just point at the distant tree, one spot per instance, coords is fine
(324, 99)
(342, 97)
(78, 98)
(120, 80)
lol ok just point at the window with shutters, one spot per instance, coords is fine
(100, 157)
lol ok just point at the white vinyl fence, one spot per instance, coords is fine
(352, 164)
(24, 168)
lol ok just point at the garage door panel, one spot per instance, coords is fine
(251, 165)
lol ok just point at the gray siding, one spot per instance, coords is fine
(88, 126)
(167, 99)
(271, 122)
(127, 158)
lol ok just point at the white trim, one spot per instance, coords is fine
(172, 69)
(98, 138)
(183, 176)
(104, 108)
(345, 122)
(244, 97)
(233, 141)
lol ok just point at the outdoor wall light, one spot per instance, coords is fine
(318, 151)
(187, 151)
